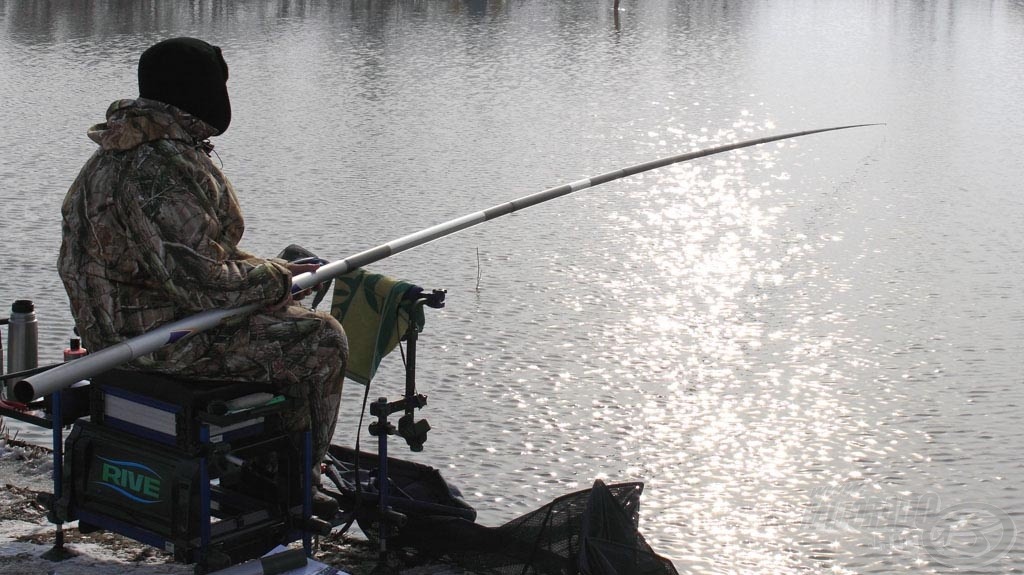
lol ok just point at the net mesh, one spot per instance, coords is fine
(593, 532)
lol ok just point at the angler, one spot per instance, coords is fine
(151, 229)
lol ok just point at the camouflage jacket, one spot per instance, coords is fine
(151, 230)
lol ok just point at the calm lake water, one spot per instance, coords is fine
(811, 352)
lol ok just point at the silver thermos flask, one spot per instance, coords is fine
(22, 338)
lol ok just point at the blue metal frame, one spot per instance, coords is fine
(57, 418)
(204, 499)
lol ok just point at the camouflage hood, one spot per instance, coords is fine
(131, 123)
(151, 229)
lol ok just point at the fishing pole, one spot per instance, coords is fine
(66, 374)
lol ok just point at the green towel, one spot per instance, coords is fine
(370, 308)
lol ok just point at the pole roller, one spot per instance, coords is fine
(62, 376)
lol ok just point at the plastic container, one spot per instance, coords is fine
(74, 350)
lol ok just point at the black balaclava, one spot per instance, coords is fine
(189, 74)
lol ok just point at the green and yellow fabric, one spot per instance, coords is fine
(375, 316)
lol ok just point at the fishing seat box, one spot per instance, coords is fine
(154, 464)
(174, 411)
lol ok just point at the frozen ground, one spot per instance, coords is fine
(26, 536)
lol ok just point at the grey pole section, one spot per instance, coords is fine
(95, 363)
